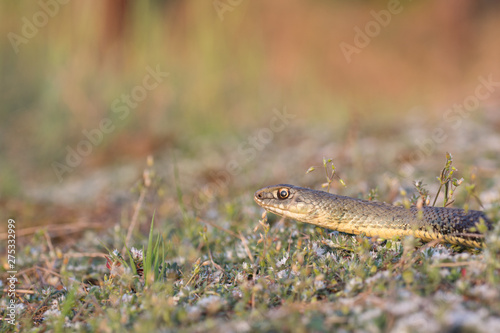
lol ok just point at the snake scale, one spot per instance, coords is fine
(373, 218)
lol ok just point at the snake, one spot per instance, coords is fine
(374, 218)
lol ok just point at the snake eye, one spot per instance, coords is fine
(283, 193)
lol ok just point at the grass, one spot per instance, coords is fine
(263, 275)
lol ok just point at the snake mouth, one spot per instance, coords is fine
(264, 199)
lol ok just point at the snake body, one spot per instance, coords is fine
(373, 218)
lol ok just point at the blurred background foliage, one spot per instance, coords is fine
(230, 63)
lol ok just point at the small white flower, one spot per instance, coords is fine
(405, 307)
(330, 256)
(384, 275)
(414, 322)
(283, 274)
(463, 256)
(282, 261)
(241, 326)
(484, 291)
(19, 307)
(237, 293)
(445, 297)
(319, 285)
(209, 300)
(318, 250)
(460, 317)
(240, 251)
(69, 324)
(353, 284)
(51, 313)
(136, 254)
(240, 277)
(126, 298)
(193, 311)
(184, 292)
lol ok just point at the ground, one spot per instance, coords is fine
(224, 265)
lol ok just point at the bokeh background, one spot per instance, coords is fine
(231, 64)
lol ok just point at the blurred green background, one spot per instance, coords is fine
(66, 65)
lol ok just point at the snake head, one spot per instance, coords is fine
(284, 200)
